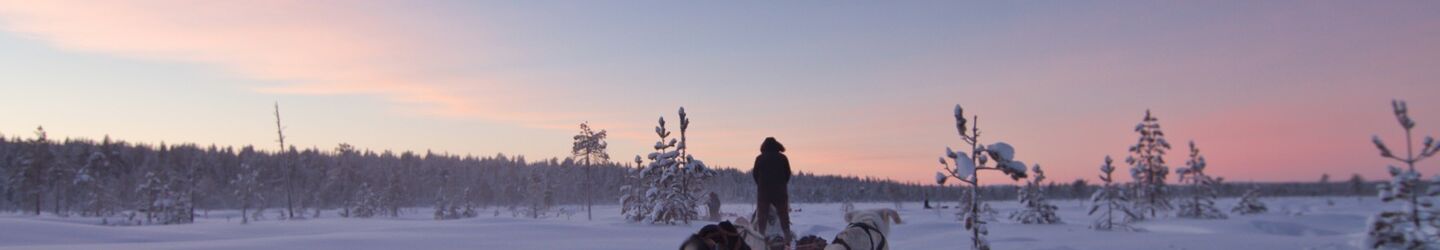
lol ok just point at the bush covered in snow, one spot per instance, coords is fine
(1250, 203)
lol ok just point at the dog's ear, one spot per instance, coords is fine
(849, 216)
(892, 215)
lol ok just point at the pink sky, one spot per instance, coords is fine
(1273, 91)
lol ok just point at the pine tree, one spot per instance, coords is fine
(589, 148)
(1148, 168)
(1201, 204)
(966, 170)
(1413, 226)
(1037, 210)
(1112, 198)
(1250, 203)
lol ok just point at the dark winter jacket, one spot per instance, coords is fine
(772, 170)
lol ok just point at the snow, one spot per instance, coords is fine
(1003, 150)
(1297, 223)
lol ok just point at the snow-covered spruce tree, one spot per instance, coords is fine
(1201, 204)
(1250, 203)
(344, 177)
(367, 202)
(589, 149)
(671, 183)
(247, 189)
(1037, 210)
(1112, 198)
(447, 201)
(152, 192)
(539, 198)
(967, 166)
(634, 195)
(163, 204)
(1414, 226)
(1147, 161)
(694, 173)
(98, 200)
(394, 195)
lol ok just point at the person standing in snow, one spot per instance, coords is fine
(772, 178)
(714, 205)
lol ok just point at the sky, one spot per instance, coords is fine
(1268, 90)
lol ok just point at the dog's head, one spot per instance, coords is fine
(717, 236)
(885, 215)
(879, 218)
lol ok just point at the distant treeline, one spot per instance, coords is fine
(170, 182)
(109, 177)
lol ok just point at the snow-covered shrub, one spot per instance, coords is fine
(1148, 169)
(1036, 210)
(1414, 225)
(1113, 199)
(668, 190)
(1201, 204)
(966, 167)
(1250, 203)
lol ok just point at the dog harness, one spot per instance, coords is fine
(868, 229)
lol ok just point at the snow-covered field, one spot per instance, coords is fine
(1293, 223)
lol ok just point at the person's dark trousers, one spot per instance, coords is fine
(782, 210)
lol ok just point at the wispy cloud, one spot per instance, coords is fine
(299, 47)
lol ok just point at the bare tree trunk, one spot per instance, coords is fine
(280, 132)
(589, 189)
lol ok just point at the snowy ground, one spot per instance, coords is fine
(1293, 223)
